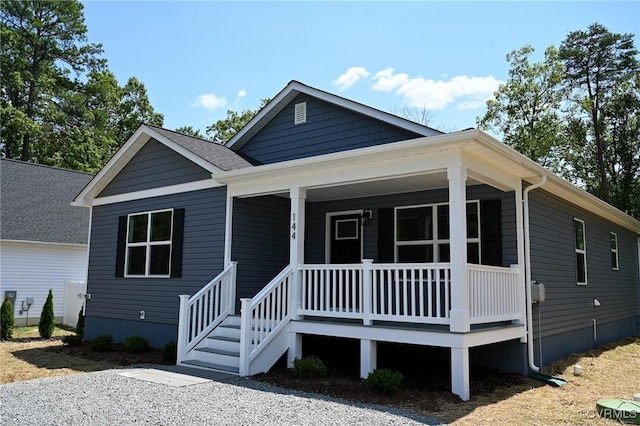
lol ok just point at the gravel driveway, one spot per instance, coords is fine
(109, 398)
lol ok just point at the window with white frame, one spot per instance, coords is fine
(148, 251)
(422, 233)
(613, 237)
(581, 252)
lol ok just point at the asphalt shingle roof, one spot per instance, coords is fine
(35, 203)
(216, 154)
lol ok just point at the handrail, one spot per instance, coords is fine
(205, 310)
(263, 316)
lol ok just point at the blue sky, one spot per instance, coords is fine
(197, 59)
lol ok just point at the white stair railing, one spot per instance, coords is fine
(205, 310)
(264, 316)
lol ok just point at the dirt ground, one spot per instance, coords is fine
(611, 371)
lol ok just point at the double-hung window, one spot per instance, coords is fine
(581, 252)
(613, 237)
(148, 247)
(422, 233)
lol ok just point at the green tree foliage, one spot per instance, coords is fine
(223, 130)
(596, 62)
(47, 318)
(576, 113)
(59, 103)
(6, 320)
(526, 108)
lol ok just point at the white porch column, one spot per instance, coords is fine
(459, 315)
(296, 243)
(460, 373)
(368, 357)
(520, 246)
(295, 348)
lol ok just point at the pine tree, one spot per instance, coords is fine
(47, 318)
(6, 320)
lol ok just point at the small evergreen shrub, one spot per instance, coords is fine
(80, 324)
(170, 352)
(136, 344)
(310, 366)
(102, 343)
(72, 340)
(385, 380)
(6, 320)
(47, 318)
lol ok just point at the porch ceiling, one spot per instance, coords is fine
(422, 182)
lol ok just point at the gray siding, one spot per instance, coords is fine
(316, 219)
(260, 241)
(154, 166)
(329, 128)
(568, 306)
(203, 254)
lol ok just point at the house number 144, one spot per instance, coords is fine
(293, 226)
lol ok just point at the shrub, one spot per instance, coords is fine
(170, 352)
(80, 324)
(47, 318)
(385, 380)
(72, 340)
(102, 343)
(310, 366)
(6, 320)
(136, 344)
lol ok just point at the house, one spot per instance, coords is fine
(325, 217)
(43, 240)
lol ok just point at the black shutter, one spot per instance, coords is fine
(176, 242)
(122, 245)
(491, 226)
(386, 235)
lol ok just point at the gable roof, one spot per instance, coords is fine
(294, 88)
(210, 156)
(35, 203)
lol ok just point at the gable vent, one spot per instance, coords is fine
(300, 114)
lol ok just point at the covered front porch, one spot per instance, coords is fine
(409, 265)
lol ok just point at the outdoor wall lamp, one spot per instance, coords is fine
(366, 217)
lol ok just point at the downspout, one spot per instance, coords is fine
(527, 261)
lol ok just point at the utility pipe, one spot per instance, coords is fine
(527, 261)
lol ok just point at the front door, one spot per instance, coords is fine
(345, 238)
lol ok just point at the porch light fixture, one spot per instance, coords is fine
(366, 217)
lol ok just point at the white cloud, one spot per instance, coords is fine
(350, 77)
(242, 93)
(466, 92)
(210, 101)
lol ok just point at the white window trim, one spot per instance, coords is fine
(614, 250)
(435, 242)
(148, 244)
(582, 251)
(338, 238)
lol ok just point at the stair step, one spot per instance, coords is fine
(235, 326)
(219, 351)
(211, 366)
(225, 338)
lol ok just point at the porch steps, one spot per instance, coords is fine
(220, 350)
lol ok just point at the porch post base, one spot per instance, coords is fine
(295, 348)
(459, 321)
(368, 357)
(460, 373)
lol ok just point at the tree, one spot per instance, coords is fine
(47, 318)
(190, 131)
(223, 130)
(6, 320)
(596, 62)
(135, 109)
(526, 109)
(44, 50)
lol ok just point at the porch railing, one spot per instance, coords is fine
(264, 316)
(495, 294)
(417, 293)
(202, 312)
